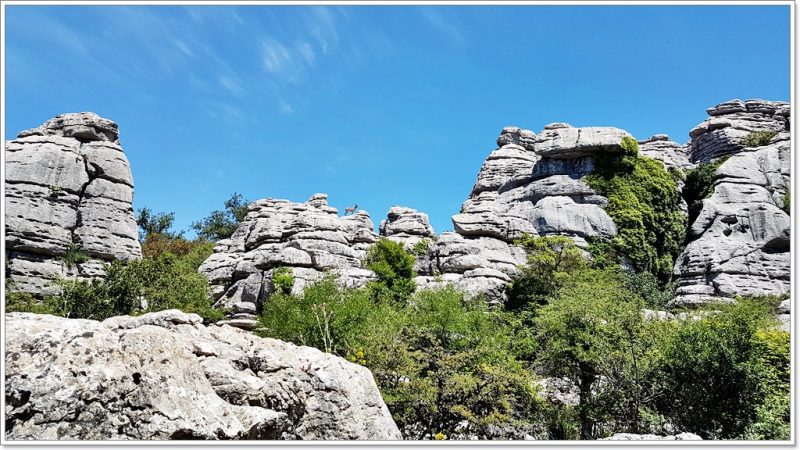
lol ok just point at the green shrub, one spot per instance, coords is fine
(593, 328)
(699, 185)
(137, 287)
(550, 260)
(74, 255)
(787, 202)
(438, 361)
(25, 302)
(644, 203)
(758, 138)
(646, 286)
(421, 248)
(155, 223)
(221, 224)
(724, 373)
(283, 280)
(394, 267)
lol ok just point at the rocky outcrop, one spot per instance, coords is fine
(532, 184)
(739, 243)
(68, 189)
(653, 437)
(730, 122)
(407, 226)
(309, 238)
(166, 376)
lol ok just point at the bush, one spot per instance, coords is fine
(74, 255)
(644, 203)
(646, 286)
(550, 260)
(699, 185)
(592, 329)
(394, 267)
(725, 375)
(438, 361)
(758, 138)
(137, 287)
(160, 223)
(787, 202)
(221, 224)
(283, 280)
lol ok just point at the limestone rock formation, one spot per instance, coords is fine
(526, 186)
(407, 226)
(653, 437)
(68, 188)
(739, 244)
(310, 238)
(730, 122)
(662, 148)
(166, 376)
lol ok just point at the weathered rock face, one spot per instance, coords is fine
(407, 226)
(532, 185)
(739, 244)
(166, 376)
(310, 238)
(68, 185)
(722, 133)
(653, 437)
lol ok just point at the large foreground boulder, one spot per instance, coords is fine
(166, 376)
(69, 191)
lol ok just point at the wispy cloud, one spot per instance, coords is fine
(443, 23)
(286, 108)
(231, 85)
(288, 62)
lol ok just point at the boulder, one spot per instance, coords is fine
(166, 376)
(68, 187)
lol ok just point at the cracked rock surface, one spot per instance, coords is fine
(68, 184)
(164, 375)
(310, 238)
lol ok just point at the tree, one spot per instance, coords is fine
(550, 260)
(160, 223)
(722, 369)
(592, 328)
(394, 267)
(221, 224)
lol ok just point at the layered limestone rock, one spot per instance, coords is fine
(739, 243)
(166, 376)
(407, 226)
(730, 122)
(653, 437)
(68, 189)
(309, 238)
(532, 184)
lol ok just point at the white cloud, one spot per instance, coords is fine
(231, 85)
(286, 108)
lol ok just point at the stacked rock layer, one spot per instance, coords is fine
(309, 238)
(739, 243)
(69, 190)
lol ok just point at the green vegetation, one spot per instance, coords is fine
(787, 202)
(644, 204)
(165, 278)
(438, 360)
(421, 248)
(74, 255)
(758, 138)
(221, 224)
(394, 267)
(700, 185)
(551, 260)
(282, 280)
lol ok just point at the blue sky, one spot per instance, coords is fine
(374, 105)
